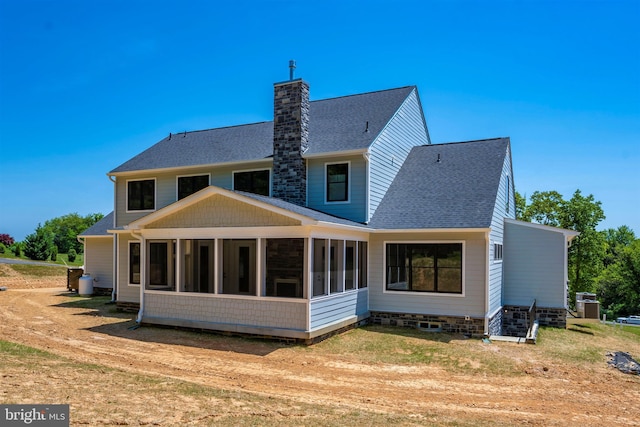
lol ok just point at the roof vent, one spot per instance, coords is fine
(292, 66)
(438, 161)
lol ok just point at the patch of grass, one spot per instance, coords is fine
(405, 346)
(8, 348)
(39, 270)
(583, 344)
(62, 259)
(635, 330)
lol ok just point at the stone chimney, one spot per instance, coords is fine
(290, 140)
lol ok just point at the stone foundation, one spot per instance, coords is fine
(451, 324)
(514, 319)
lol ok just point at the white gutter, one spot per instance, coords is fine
(143, 275)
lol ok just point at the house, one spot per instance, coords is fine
(338, 211)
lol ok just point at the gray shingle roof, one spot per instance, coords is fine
(99, 228)
(336, 124)
(457, 192)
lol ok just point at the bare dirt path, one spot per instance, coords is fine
(548, 394)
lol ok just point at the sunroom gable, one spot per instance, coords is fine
(216, 207)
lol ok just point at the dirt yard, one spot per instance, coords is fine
(280, 384)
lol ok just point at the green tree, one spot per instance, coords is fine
(545, 208)
(66, 228)
(521, 207)
(616, 240)
(618, 286)
(586, 254)
(38, 245)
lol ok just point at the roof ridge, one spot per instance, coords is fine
(363, 93)
(222, 127)
(467, 142)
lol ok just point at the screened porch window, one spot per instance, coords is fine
(424, 267)
(284, 268)
(338, 266)
(198, 265)
(161, 266)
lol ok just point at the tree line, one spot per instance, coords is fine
(606, 263)
(56, 236)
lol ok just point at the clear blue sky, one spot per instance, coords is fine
(85, 85)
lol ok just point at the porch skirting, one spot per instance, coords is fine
(308, 337)
(451, 324)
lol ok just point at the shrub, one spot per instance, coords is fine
(3, 248)
(71, 255)
(54, 253)
(38, 245)
(16, 248)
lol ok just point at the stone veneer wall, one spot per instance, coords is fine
(290, 140)
(451, 324)
(514, 319)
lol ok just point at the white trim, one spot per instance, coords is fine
(330, 154)
(326, 183)
(155, 195)
(569, 234)
(430, 230)
(234, 172)
(425, 294)
(188, 176)
(187, 168)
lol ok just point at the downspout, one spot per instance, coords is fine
(367, 155)
(114, 290)
(114, 293)
(486, 282)
(143, 263)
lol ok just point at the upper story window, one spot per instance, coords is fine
(187, 185)
(256, 182)
(141, 195)
(424, 267)
(337, 177)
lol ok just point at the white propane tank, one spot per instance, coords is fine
(85, 285)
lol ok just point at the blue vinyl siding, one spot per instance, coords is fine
(355, 208)
(327, 310)
(166, 187)
(497, 232)
(534, 266)
(471, 303)
(390, 149)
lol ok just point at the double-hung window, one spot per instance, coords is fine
(424, 267)
(337, 177)
(141, 195)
